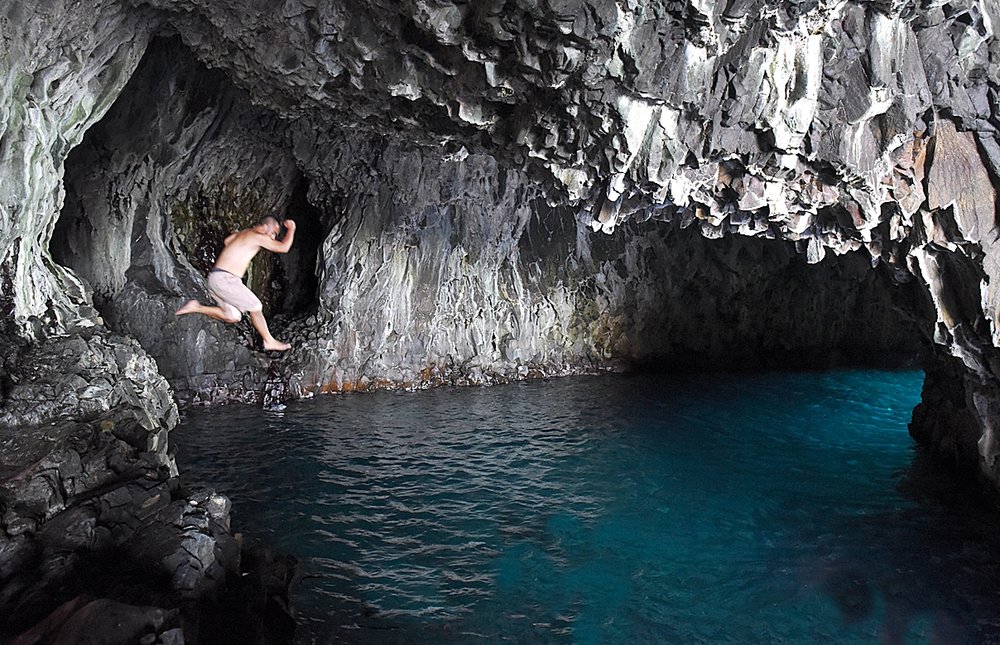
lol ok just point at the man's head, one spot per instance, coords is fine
(268, 226)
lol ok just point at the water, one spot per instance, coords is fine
(611, 509)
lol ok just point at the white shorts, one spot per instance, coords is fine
(231, 294)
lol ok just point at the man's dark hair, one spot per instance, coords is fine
(268, 218)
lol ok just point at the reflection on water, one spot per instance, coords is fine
(723, 509)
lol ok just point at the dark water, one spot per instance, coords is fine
(778, 508)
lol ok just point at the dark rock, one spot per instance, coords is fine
(15, 554)
(69, 530)
(102, 622)
(256, 607)
(189, 542)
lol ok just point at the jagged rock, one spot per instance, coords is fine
(80, 484)
(47, 379)
(486, 277)
(189, 542)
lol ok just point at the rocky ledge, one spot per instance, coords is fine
(97, 534)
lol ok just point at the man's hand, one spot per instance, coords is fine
(289, 224)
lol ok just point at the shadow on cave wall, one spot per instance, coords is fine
(293, 287)
(680, 302)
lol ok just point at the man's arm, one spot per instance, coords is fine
(285, 243)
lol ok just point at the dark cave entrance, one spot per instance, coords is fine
(684, 303)
(295, 283)
(181, 160)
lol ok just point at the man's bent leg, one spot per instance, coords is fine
(260, 324)
(219, 313)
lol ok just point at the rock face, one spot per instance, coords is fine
(502, 189)
(85, 475)
(414, 268)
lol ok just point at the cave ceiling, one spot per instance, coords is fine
(798, 119)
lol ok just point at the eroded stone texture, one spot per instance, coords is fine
(100, 516)
(425, 283)
(62, 69)
(431, 268)
(81, 376)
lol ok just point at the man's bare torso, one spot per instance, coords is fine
(240, 248)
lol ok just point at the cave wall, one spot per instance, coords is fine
(180, 161)
(180, 142)
(455, 270)
(62, 71)
(432, 268)
(840, 127)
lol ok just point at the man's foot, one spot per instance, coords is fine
(275, 346)
(189, 307)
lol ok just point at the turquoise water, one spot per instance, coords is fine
(775, 508)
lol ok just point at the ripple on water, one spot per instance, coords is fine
(729, 509)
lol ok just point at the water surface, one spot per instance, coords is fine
(776, 508)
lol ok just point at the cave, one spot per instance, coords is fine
(156, 186)
(483, 195)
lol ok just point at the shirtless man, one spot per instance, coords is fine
(225, 280)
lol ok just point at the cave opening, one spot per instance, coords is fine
(294, 284)
(182, 159)
(686, 303)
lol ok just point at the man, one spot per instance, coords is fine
(225, 280)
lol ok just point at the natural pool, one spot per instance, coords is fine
(769, 508)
